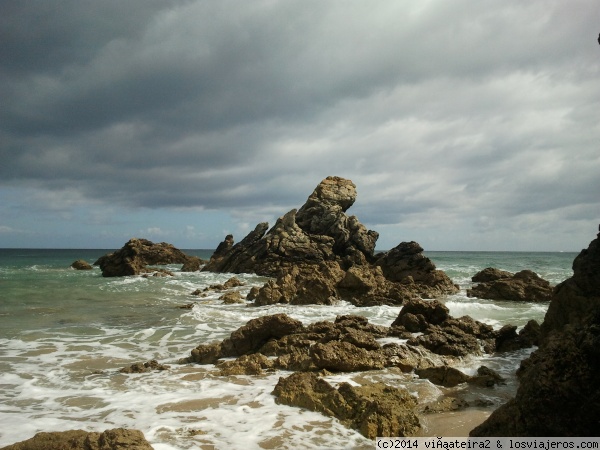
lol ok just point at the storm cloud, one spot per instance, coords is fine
(464, 124)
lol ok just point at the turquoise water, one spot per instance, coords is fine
(65, 333)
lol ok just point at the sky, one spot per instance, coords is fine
(464, 124)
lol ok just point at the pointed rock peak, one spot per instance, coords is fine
(334, 191)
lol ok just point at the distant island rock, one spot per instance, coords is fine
(137, 254)
(318, 254)
(560, 382)
(523, 286)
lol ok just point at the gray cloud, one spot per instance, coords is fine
(455, 111)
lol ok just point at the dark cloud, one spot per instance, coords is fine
(460, 111)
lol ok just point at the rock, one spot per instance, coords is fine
(148, 366)
(418, 314)
(441, 333)
(350, 343)
(329, 256)
(80, 264)
(254, 364)
(490, 274)
(302, 285)
(560, 382)
(524, 286)
(257, 332)
(406, 264)
(231, 298)
(342, 356)
(508, 340)
(486, 377)
(374, 410)
(443, 375)
(116, 439)
(134, 257)
(193, 264)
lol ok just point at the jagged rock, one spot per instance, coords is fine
(233, 297)
(254, 364)
(300, 285)
(116, 439)
(134, 257)
(418, 314)
(374, 410)
(80, 264)
(443, 375)
(366, 286)
(524, 286)
(406, 264)
(350, 343)
(342, 356)
(508, 340)
(486, 377)
(490, 274)
(257, 332)
(559, 383)
(330, 256)
(148, 366)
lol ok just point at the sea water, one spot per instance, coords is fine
(64, 335)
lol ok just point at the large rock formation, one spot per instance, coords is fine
(116, 439)
(318, 254)
(559, 391)
(134, 257)
(523, 286)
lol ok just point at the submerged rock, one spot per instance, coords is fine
(523, 286)
(318, 254)
(116, 439)
(560, 382)
(134, 257)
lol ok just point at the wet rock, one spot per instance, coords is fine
(80, 264)
(254, 364)
(406, 264)
(233, 297)
(302, 285)
(486, 377)
(374, 410)
(148, 366)
(341, 356)
(418, 314)
(490, 274)
(134, 257)
(559, 383)
(524, 286)
(116, 439)
(443, 375)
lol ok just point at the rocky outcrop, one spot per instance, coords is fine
(116, 439)
(80, 264)
(559, 388)
(134, 257)
(523, 286)
(351, 343)
(373, 409)
(318, 254)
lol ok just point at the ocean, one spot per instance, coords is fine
(64, 335)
